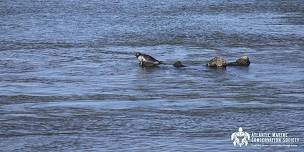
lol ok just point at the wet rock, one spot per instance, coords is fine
(178, 64)
(217, 62)
(242, 61)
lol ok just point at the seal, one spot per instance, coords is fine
(146, 60)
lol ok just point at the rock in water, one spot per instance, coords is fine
(217, 62)
(242, 61)
(178, 64)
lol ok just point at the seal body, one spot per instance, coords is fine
(146, 60)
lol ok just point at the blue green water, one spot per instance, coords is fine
(69, 80)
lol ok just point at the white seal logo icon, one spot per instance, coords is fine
(240, 138)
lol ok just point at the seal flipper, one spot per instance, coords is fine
(141, 64)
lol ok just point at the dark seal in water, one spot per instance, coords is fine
(146, 60)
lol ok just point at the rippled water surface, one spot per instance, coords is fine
(70, 80)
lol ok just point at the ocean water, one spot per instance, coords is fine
(69, 80)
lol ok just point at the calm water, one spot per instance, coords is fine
(69, 80)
